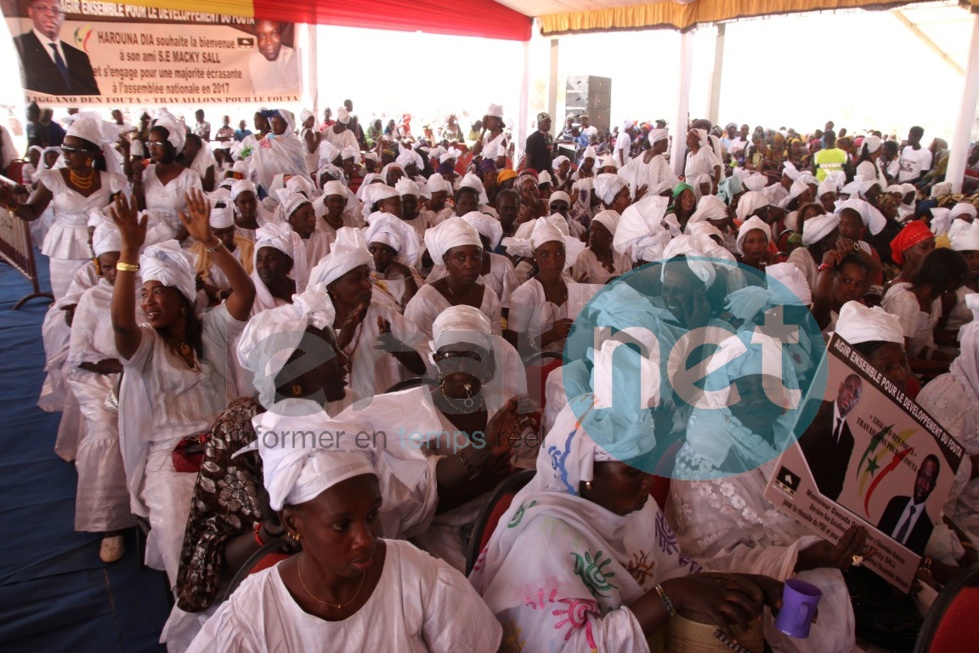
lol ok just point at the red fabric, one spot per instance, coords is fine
(913, 233)
(956, 633)
(270, 560)
(482, 18)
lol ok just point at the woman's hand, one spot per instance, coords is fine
(823, 554)
(348, 328)
(196, 219)
(832, 258)
(131, 226)
(559, 331)
(722, 600)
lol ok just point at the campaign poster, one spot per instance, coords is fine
(87, 53)
(873, 457)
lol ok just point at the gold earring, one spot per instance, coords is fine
(588, 485)
(297, 390)
(296, 536)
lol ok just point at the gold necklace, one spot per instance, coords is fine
(82, 183)
(335, 606)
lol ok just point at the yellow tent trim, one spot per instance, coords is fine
(244, 8)
(673, 15)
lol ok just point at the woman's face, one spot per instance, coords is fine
(34, 156)
(340, 527)
(755, 408)
(226, 236)
(272, 265)
(163, 305)
(599, 238)
(678, 290)
(851, 225)
(335, 204)
(754, 246)
(464, 263)
(326, 378)
(409, 207)
(303, 220)
(564, 168)
(246, 204)
(190, 150)
(693, 140)
(394, 174)
(158, 145)
(972, 261)
(278, 125)
(828, 200)
(76, 153)
(914, 254)
(107, 264)
(892, 362)
(463, 368)
(619, 488)
(383, 255)
(849, 283)
(466, 203)
(550, 258)
(560, 206)
(687, 200)
(392, 205)
(621, 200)
(529, 193)
(353, 288)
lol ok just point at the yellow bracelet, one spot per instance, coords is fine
(126, 267)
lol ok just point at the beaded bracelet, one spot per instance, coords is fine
(666, 600)
(465, 461)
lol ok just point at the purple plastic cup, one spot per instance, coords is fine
(799, 601)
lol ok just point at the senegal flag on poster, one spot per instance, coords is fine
(79, 52)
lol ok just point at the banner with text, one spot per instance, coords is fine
(871, 457)
(83, 53)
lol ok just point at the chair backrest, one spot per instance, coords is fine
(490, 515)
(950, 625)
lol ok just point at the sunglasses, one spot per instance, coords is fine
(155, 143)
(68, 149)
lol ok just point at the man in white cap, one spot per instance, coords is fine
(339, 135)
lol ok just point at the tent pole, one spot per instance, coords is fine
(678, 153)
(552, 86)
(308, 97)
(714, 103)
(959, 147)
(521, 131)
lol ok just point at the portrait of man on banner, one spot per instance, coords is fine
(50, 64)
(829, 440)
(273, 67)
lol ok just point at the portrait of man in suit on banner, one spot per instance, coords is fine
(905, 518)
(50, 64)
(828, 442)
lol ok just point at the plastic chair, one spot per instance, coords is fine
(949, 626)
(490, 515)
(264, 558)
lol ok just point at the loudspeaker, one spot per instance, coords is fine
(592, 96)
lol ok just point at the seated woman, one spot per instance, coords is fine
(721, 473)
(684, 204)
(918, 305)
(844, 276)
(856, 216)
(599, 262)
(102, 501)
(279, 269)
(910, 247)
(216, 285)
(394, 247)
(348, 589)
(751, 246)
(249, 212)
(819, 235)
(470, 424)
(178, 372)
(383, 346)
(296, 211)
(587, 561)
(712, 210)
(457, 245)
(497, 272)
(197, 156)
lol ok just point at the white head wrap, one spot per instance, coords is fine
(641, 230)
(271, 336)
(559, 196)
(963, 208)
(751, 202)
(701, 136)
(869, 214)
(966, 239)
(335, 188)
(350, 152)
(408, 157)
(693, 248)
(299, 184)
(349, 251)
(461, 325)
(959, 227)
(454, 232)
(589, 153)
(609, 220)
(544, 178)
(406, 186)
(107, 238)
(907, 189)
(290, 201)
(495, 111)
(437, 184)
(818, 227)
(472, 181)
(87, 128)
(791, 279)
(556, 163)
(702, 229)
(396, 234)
(242, 186)
(656, 135)
(750, 225)
(940, 221)
(222, 217)
(343, 116)
(608, 185)
(710, 207)
(799, 186)
(305, 115)
(176, 132)
(940, 189)
(858, 323)
(608, 161)
(755, 182)
(167, 263)
(533, 233)
(486, 225)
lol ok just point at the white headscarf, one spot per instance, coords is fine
(608, 185)
(271, 336)
(438, 184)
(176, 132)
(589, 153)
(167, 263)
(751, 202)
(242, 186)
(656, 135)
(222, 217)
(858, 323)
(818, 227)
(349, 251)
(407, 157)
(703, 229)
(872, 143)
(454, 232)
(406, 186)
(799, 186)
(641, 230)
(941, 221)
(609, 220)
(335, 188)
(710, 207)
(280, 236)
(495, 111)
(750, 225)
(107, 238)
(559, 196)
(88, 129)
(966, 239)
(693, 248)
(790, 279)
(486, 225)
(755, 182)
(396, 234)
(965, 367)
(963, 208)
(290, 201)
(461, 324)
(869, 214)
(472, 181)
